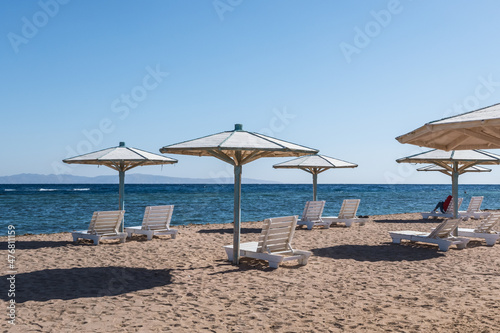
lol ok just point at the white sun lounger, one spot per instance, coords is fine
(347, 214)
(447, 214)
(104, 225)
(156, 221)
(474, 209)
(484, 230)
(274, 244)
(312, 215)
(441, 235)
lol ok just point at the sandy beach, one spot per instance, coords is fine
(356, 281)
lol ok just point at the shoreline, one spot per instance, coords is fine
(356, 280)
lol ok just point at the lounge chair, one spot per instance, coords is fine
(474, 209)
(347, 214)
(274, 244)
(484, 230)
(447, 214)
(312, 215)
(156, 221)
(104, 225)
(441, 235)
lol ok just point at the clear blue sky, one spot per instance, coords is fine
(345, 77)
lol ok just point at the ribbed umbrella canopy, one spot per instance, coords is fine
(474, 168)
(314, 164)
(455, 163)
(478, 129)
(121, 159)
(237, 148)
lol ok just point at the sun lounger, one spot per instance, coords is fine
(474, 209)
(274, 243)
(441, 235)
(104, 225)
(447, 214)
(312, 215)
(484, 230)
(156, 221)
(347, 214)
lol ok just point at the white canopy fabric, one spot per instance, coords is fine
(121, 159)
(474, 168)
(478, 129)
(238, 147)
(454, 162)
(314, 164)
(115, 156)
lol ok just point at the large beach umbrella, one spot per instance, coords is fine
(478, 129)
(237, 148)
(455, 163)
(314, 164)
(121, 159)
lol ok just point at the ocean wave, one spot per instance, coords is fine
(9, 190)
(47, 189)
(81, 189)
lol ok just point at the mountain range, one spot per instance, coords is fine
(134, 178)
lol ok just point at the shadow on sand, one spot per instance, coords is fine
(230, 231)
(30, 245)
(385, 252)
(409, 221)
(77, 283)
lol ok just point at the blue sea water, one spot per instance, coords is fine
(57, 208)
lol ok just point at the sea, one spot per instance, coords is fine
(43, 208)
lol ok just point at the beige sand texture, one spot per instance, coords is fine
(356, 281)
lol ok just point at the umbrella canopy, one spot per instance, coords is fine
(237, 148)
(121, 159)
(478, 129)
(314, 164)
(455, 163)
(474, 168)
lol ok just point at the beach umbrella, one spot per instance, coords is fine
(478, 129)
(238, 147)
(455, 163)
(314, 164)
(121, 159)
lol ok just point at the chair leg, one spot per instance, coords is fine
(274, 264)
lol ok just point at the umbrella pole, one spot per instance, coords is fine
(315, 185)
(121, 191)
(454, 191)
(237, 214)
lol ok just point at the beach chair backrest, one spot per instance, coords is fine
(157, 217)
(277, 234)
(106, 222)
(313, 210)
(349, 208)
(451, 205)
(475, 204)
(489, 223)
(445, 229)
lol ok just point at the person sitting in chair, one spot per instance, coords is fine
(443, 205)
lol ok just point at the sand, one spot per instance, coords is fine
(356, 281)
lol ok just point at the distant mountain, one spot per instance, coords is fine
(133, 178)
